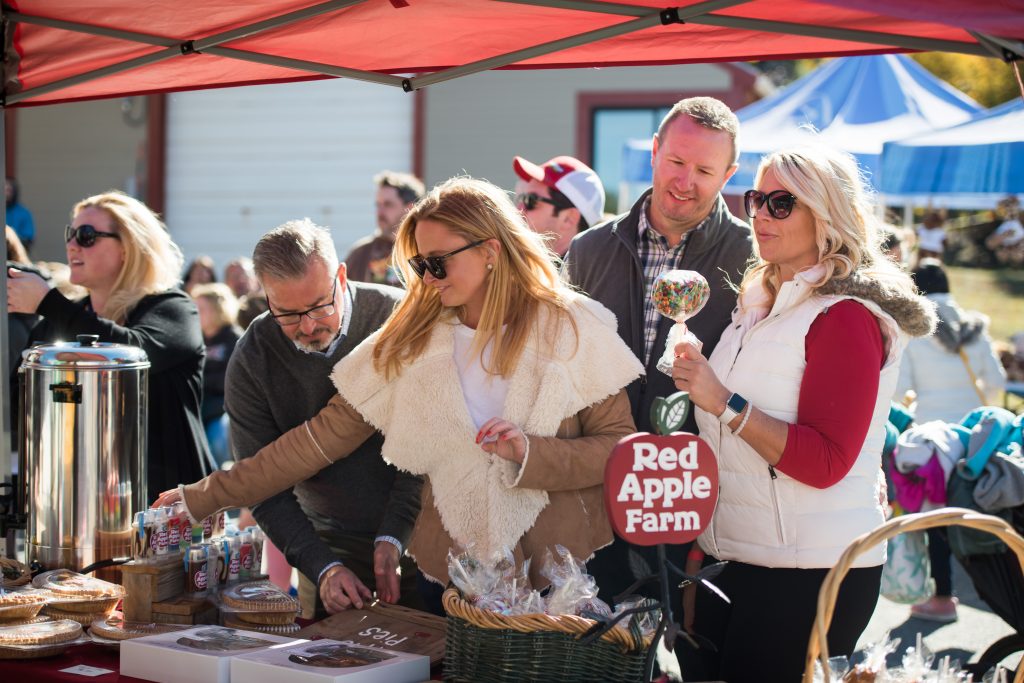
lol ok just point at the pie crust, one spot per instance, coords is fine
(114, 627)
(42, 633)
(20, 606)
(84, 618)
(68, 583)
(277, 629)
(260, 596)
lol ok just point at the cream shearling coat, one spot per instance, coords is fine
(566, 395)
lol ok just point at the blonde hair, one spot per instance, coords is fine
(16, 251)
(221, 299)
(847, 232)
(523, 281)
(152, 262)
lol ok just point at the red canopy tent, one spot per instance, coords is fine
(66, 50)
(61, 50)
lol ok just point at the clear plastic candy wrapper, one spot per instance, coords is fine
(918, 665)
(679, 295)
(572, 591)
(494, 583)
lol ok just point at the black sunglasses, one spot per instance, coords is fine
(780, 203)
(316, 313)
(86, 235)
(529, 201)
(435, 264)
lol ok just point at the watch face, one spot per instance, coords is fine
(737, 403)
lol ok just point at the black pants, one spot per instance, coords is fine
(762, 635)
(941, 562)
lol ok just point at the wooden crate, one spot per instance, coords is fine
(184, 611)
(148, 583)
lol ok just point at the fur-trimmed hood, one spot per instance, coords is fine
(914, 313)
(957, 327)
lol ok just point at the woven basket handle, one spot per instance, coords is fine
(817, 648)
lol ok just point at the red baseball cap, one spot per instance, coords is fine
(573, 178)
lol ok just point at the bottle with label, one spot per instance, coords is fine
(173, 529)
(245, 556)
(196, 571)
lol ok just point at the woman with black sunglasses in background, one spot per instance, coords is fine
(491, 378)
(121, 253)
(794, 401)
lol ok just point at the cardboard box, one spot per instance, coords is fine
(329, 661)
(385, 626)
(196, 655)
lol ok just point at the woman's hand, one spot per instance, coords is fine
(503, 439)
(692, 373)
(167, 498)
(25, 291)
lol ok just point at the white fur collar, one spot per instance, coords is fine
(428, 430)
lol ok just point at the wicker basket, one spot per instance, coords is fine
(817, 649)
(487, 646)
(19, 573)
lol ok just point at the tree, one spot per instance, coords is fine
(987, 81)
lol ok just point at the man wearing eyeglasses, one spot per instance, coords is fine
(560, 199)
(369, 260)
(344, 528)
(681, 222)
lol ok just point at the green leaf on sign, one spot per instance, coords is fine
(669, 414)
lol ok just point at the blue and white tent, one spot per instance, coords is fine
(855, 103)
(973, 164)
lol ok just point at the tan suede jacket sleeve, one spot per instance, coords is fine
(295, 456)
(565, 464)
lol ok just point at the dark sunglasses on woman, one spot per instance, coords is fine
(529, 201)
(86, 235)
(780, 203)
(435, 264)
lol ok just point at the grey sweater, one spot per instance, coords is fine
(603, 262)
(272, 387)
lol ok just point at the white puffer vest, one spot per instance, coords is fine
(765, 517)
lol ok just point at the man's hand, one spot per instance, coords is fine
(340, 590)
(387, 571)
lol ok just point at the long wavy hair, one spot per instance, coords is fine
(522, 283)
(847, 231)
(152, 262)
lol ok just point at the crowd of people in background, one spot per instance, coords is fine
(318, 367)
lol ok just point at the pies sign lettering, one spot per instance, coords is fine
(661, 488)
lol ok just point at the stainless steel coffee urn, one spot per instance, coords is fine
(83, 449)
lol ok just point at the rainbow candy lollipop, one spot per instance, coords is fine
(679, 295)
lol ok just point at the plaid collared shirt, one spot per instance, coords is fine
(656, 257)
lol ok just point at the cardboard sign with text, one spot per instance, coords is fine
(660, 489)
(390, 627)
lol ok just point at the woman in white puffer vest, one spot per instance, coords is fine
(793, 402)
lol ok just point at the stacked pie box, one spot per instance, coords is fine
(201, 654)
(330, 661)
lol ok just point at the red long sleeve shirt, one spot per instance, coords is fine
(837, 395)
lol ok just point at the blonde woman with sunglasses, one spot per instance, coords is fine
(794, 401)
(492, 379)
(121, 253)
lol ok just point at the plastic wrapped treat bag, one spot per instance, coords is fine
(679, 295)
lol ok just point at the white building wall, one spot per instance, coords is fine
(476, 124)
(241, 161)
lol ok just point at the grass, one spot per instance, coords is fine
(999, 294)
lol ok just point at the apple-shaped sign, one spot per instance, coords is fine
(661, 488)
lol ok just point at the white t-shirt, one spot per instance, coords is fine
(930, 239)
(484, 393)
(1011, 231)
